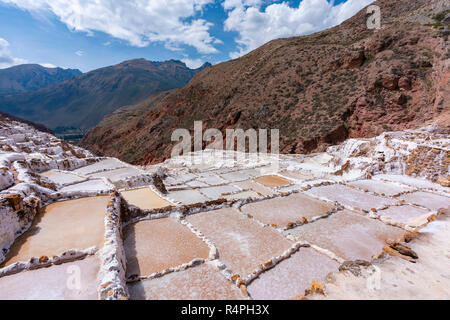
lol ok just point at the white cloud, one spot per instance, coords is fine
(48, 65)
(193, 63)
(176, 23)
(6, 59)
(256, 26)
(231, 4)
(139, 22)
(79, 53)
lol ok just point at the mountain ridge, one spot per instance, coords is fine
(83, 101)
(32, 77)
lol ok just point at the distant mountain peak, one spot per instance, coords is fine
(83, 101)
(32, 77)
(30, 66)
(143, 61)
(205, 65)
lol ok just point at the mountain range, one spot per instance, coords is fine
(81, 102)
(32, 77)
(345, 82)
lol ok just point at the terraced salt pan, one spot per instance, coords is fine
(291, 188)
(282, 211)
(380, 187)
(203, 282)
(62, 177)
(202, 166)
(255, 172)
(414, 182)
(273, 181)
(180, 179)
(243, 244)
(156, 245)
(117, 174)
(241, 175)
(52, 283)
(319, 164)
(250, 184)
(196, 184)
(350, 197)
(65, 225)
(408, 215)
(348, 235)
(218, 192)
(108, 164)
(211, 179)
(145, 198)
(87, 186)
(242, 195)
(292, 276)
(297, 175)
(427, 200)
(187, 196)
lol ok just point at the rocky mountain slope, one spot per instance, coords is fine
(83, 101)
(32, 77)
(319, 90)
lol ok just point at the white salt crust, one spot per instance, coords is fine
(113, 261)
(26, 152)
(39, 262)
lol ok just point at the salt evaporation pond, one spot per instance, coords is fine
(349, 235)
(202, 282)
(52, 283)
(273, 181)
(284, 210)
(155, 245)
(243, 244)
(145, 198)
(64, 225)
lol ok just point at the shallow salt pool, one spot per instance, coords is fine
(65, 225)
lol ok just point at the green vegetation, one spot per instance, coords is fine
(441, 15)
(70, 134)
(434, 25)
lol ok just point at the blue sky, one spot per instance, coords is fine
(87, 35)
